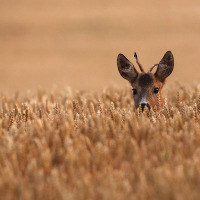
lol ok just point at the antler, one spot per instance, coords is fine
(137, 61)
(152, 68)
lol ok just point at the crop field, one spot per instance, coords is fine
(68, 126)
(78, 145)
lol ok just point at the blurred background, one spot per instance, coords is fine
(76, 42)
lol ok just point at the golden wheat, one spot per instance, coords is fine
(82, 145)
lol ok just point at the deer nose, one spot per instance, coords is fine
(143, 106)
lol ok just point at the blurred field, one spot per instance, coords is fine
(46, 43)
(68, 145)
(87, 142)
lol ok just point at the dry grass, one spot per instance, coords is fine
(79, 145)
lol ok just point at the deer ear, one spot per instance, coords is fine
(165, 66)
(126, 68)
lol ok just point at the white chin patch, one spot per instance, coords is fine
(143, 100)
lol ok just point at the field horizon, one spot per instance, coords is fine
(76, 43)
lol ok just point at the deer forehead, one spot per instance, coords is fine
(146, 81)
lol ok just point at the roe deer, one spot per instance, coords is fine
(146, 86)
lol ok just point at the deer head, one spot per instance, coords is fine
(146, 86)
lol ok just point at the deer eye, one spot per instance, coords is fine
(134, 91)
(155, 91)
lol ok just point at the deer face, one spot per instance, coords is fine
(146, 86)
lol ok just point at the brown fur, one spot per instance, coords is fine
(146, 83)
(145, 87)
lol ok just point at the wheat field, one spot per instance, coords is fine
(87, 141)
(78, 145)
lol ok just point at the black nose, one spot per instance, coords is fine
(143, 106)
